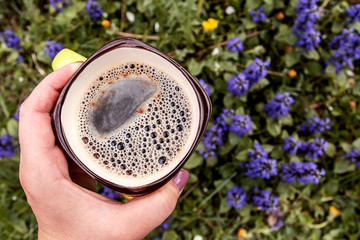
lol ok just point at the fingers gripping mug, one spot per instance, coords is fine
(130, 116)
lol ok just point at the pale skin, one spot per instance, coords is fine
(63, 201)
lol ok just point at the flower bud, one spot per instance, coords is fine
(280, 16)
(106, 23)
(292, 73)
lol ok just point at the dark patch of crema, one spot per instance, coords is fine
(134, 120)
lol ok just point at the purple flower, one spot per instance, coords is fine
(317, 148)
(265, 200)
(241, 125)
(10, 39)
(107, 192)
(291, 145)
(306, 17)
(236, 197)
(235, 45)
(16, 115)
(309, 39)
(226, 116)
(315, 125)
(354, 12)
(256, 71)
(274, 220)
(238, 84)
(206, 153)
(6, 146)
(258, 15)
(166, 225)
(279, 106)
(302, 172)
(94, 9)
(214, 137)
(20, 59)
(52, 48)
(205, 86)
(260, 168)
(59, 5)
(347, 46)
(257, 152)
(354, 156)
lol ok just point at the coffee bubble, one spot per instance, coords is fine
(134, 120)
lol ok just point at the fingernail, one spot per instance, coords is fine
(180, 179)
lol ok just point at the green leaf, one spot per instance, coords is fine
(313, 68)
(252, 4)
(346, 147)
(292, 58)
(261, 85)
(337, 26)
(228, 100)
(194, 67)
(170, 234)
(273, 128)
(285, 35)
(313, 54)
(287, 120)
(12, 127)
(356, 143)
(343, 166)
(4, 106)
(233, 139)
(242, 156)
(331, 150)
(195, 161)
(224, 207)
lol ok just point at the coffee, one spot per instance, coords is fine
(134, 121)
(131, 117)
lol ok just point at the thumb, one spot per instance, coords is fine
(150, 211)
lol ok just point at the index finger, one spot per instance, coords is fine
(35, 130)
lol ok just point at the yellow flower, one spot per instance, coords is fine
(333, 211)
(210, 24)
(106, 23)
(241, 233)
(292, 73)
(128, 197)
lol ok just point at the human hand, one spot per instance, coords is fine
(64, 209)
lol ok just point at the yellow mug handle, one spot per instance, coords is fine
(65, 57)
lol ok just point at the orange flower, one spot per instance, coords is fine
(288, 48)
(292, 73)
(241, 233)
(333, 211)
(106, 23)
(352, 104)
(210, 24)
(280, 16)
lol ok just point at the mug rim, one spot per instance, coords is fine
(204, 105)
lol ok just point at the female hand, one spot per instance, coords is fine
(64, 206)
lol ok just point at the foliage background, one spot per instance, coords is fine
(202, 208)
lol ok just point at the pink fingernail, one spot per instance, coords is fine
(180, 179)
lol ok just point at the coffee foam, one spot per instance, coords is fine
(149, 144)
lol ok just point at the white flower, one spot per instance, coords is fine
(156, 27)
(198, 237)
(130, 16)
(215, 52)
(229, 10)
(21, 79)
